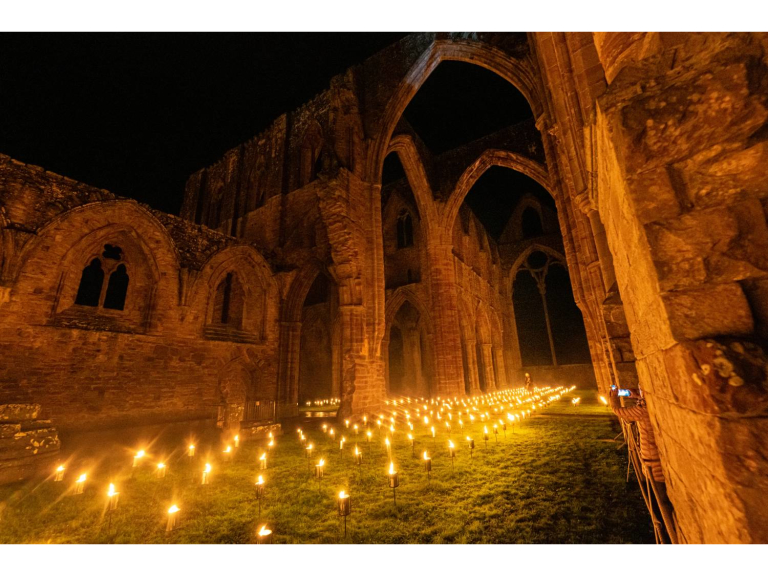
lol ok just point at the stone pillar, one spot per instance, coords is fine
(447, 335)
(490, 377)
(474, 381)
(288, 376)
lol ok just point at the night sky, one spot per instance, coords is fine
(138, 113)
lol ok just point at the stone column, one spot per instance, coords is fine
(474, 381)
(288, 371)
(490, 377)
(447, 335)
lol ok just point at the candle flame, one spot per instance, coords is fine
(426, 456)
(82, 478)
(207, 468)
(191, 446)
(140, 454)
(450, 444)
(343, 494)
(237, 437)
(321, 463)
(310, 447)
(60, 469)
(161, 465)
(228, 449)
(263, 456)
(391, 468)
(603, 400)
(260, 480)
(111, 492)
(264, 531)
(356, 450)
(173, 509)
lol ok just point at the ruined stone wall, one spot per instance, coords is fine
(674, 137)
(159, 359)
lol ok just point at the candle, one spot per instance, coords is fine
(173, 512)
(332, 433)
(427, 463)
(368, 433)
(346, 423)
(137, 458)
(356, 429)
(358, 456)
(59, 474)
(485, 435)
(309, 450)
(345, 505)
(80, 484)
(471, 446)
(161, 469)
(496, 432)
(112, 498)
(263, 461)
(206, 473)
(451, 449)
(260, 487)
(319, 469)
(410, 437)
(394, 482)
(260, 492)
(264, 535)
(237, 441)
(228, 452)
(191, 450)
(271, 444)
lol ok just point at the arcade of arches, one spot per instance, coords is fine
(359, 248)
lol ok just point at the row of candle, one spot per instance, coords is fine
(393, 479)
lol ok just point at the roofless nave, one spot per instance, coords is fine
(305, 264)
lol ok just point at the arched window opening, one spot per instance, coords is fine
(396, 361)
(317, 167)
(91, 281)
(117, 289)
(530, 222)
(461, 102)
(229, 302)
(112, 252)
(404, 230)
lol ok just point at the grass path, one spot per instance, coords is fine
(554, 480)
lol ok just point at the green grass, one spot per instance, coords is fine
(554, 480)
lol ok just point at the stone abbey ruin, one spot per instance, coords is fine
(334, 255)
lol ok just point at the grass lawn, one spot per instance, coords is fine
(554, 480)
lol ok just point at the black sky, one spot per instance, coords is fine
(137, 113)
